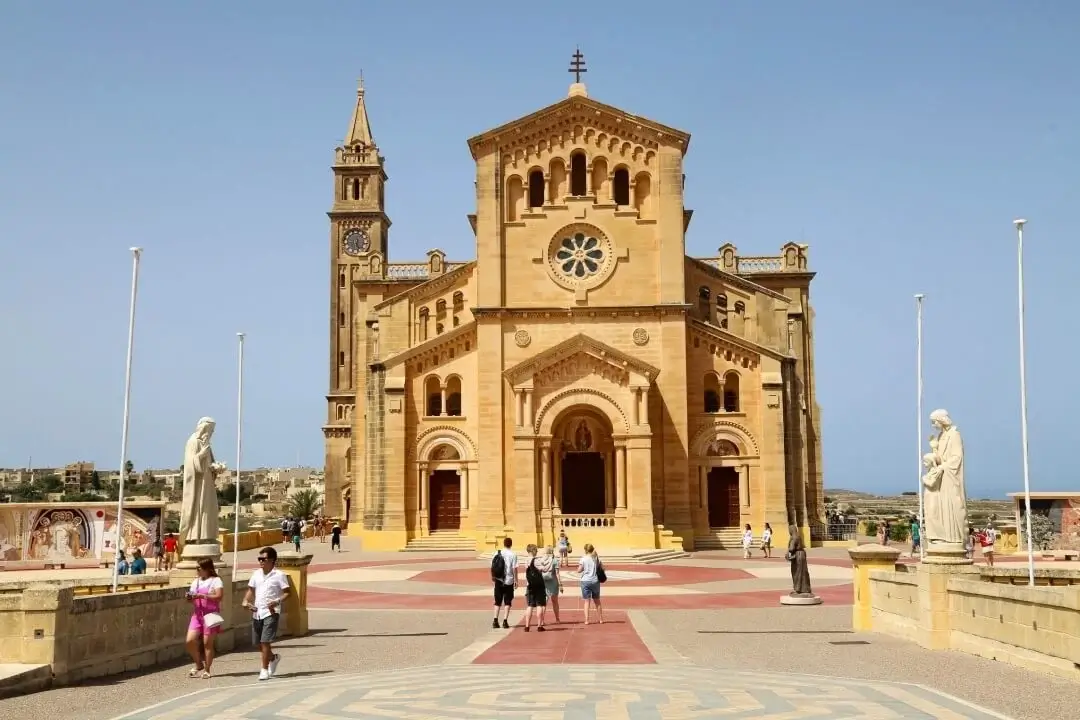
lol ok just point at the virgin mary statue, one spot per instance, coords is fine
(944, 496)
(199, 506)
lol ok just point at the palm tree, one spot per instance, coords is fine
(304, 503)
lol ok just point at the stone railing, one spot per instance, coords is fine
(750, 265)
(416, 270)
(593, 522)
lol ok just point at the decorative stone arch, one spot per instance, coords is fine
(566, 399)
(431, 438)
(724, 430)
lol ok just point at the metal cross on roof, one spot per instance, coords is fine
(577, 65)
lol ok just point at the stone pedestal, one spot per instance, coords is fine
(942, 561)
(295, 565)
(865, 558)
(804, 599)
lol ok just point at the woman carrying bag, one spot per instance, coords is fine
(205, 595)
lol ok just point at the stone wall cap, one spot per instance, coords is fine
(873, 551)
(291, 558)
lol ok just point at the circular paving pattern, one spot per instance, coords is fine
(567, 691)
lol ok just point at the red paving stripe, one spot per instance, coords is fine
(616, 642)
(669, 575)
(332, 598)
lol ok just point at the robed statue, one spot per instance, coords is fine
(199, 507)
(944, 497)
(796, 555)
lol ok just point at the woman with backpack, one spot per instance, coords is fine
(535, 589)
(552, 580)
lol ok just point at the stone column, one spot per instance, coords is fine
(556, 458)
(442, 407)
(545, 487)
(744, 485)
(864, 559)
(295, 566)
(609, 480)
(463, 473)
(423, 490)
(636, 409)
(528, 408)
(545, 469)
(519, 409)
(620, 477)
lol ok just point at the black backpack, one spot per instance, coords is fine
(533, 577)
(498, 567)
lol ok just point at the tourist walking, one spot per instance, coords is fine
(969, 543)
(553, 581)
(504, 568)
(159, 555)
(747, 541)
(205, 595)
(591, 572)
(987, 539)
(766, 540)
(535, 589)
(296, 530)
(564, 546)
(169, 546)
(916, 537)
(286, 524)
(265, 595)
(335, 537)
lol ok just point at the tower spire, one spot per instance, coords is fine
(359, 132)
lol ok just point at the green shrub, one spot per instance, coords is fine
(898, 532)
(1042, 532)
(871, 527)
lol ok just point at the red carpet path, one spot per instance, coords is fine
(613, 643)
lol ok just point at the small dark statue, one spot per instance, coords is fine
(800, 573)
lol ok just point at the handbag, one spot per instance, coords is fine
(601, 576)
(213, 620)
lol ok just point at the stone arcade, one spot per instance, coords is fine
(582, 373)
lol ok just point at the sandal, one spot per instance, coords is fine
(194, 672)
(206, 675)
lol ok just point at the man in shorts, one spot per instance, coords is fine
(506, 562)
(169, 546)
(988, 538)
(265, 598)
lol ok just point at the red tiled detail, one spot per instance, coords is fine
(669, 575)
(328, 598)
(616, 642)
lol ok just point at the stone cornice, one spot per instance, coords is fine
(337, 431)
(739, 281)
(580, 343)
(433, 345)
(739, 345)
(576, 312)
(430, 287)
(585, 110)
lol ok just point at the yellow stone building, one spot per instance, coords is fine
(583, 372)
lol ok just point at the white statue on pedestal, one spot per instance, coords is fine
(199, 507)
(944, 497)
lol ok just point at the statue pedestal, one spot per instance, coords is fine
(864, 559)
(194, 552)
(940, 553)
(803, 599)
(942, 561)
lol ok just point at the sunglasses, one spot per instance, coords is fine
(263, 559)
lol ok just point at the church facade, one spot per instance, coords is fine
(582, 373)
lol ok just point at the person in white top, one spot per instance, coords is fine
(589, 571)
(265, 596)
(766, 540)
(504, 570)
(989, 537)
(747, 541)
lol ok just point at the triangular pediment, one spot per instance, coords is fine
(579, 110)
(605, 360)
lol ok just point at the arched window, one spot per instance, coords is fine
(440, 309)
(341, 319)
(620, 187)
(459, 301)
(712, 393)
(557, 181)
(721, 310)
(423, 324)
(355, 189)
(341, 280)
(740, 307)
(577, 174)
(341, 358)
(433, 393)
(536, 189)
(515, 199)
(703, 303)
(643, 195)
(453, 396)
(439, 328)
(340, 412)
(731, 392)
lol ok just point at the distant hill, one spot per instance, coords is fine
(870, 505)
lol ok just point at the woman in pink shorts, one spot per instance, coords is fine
(205, 594)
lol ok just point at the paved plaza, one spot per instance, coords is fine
(409, 636)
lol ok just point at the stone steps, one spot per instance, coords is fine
(22, 679)
(441, 542)
(720, 539)
(618, 556)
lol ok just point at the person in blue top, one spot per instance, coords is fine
(121, 563)
(138, 563)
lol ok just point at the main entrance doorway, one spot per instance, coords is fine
(445, 501)
(723, 497)
(583, 483)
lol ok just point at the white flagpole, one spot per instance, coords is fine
(239, 448)
(136, 254)
(918, 413)
(1019, 223)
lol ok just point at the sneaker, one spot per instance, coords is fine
(506, 625)
(264, 674)
(274, 663)
(495, 623)
(541, 629)
(526, 628)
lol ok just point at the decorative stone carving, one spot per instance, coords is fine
(578, 366)
(722, 448)
(641, 336)
(444, 452)
(522, 338)
(580, 256)
(944, 496)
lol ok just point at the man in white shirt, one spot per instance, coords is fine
(265, 597)
(504, 585)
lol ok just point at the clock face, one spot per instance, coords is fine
(357, 242)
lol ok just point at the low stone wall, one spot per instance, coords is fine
(254, 539)
(977, 610)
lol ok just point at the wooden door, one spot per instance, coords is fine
(723, 494)
(583, 484)
(445, 501)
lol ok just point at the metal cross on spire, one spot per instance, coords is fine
(577, 65)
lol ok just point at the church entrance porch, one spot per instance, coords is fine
(723, 494)
(583, 481)
(445, 496)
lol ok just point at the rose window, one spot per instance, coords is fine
(580, 255)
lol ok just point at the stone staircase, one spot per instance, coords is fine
(441, 541)
(729, 538)
(618, 556)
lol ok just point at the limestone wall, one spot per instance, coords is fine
(895, 602)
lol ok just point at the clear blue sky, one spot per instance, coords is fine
(898, 139)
